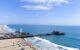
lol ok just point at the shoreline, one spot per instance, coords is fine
(31, 43)
(47, 44)
(18, 43)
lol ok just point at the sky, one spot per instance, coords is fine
(40, 12)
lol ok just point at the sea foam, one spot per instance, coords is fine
(43, 44)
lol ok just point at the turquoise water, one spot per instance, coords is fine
(71, 39)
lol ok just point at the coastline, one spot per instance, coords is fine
(18, 43)
(43, 44)
(13, 44)
(31, 43)
(71, 39)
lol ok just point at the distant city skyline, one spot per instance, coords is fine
(40, 12)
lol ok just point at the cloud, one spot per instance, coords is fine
(37, 7)
(42, 4)
(46, 1)
(35, 1)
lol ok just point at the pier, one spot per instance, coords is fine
(19, 34)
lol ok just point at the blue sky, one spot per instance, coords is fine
(40, 12)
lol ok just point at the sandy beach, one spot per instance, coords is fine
(14, 44)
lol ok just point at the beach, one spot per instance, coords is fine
(43, 44)
(14, 44)
(27, 44)
(31, 43)
(70, 39)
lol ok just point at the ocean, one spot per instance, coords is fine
(71, 39)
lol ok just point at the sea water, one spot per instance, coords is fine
(71, 39)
